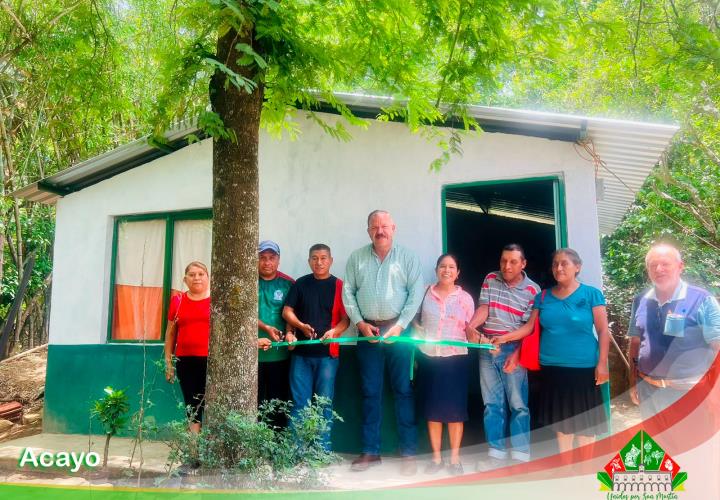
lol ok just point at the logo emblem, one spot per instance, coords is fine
(278, 295)
(642, 465)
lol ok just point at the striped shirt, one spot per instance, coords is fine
(446, 320)
(381, 290)
(509, 307)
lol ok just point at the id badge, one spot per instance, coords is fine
(675, 325)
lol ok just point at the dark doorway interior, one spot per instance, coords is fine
(479, 220)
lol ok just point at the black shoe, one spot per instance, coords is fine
(364, 462)
(456, 469)
(434, 467)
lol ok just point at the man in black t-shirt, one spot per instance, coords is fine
(314, 308)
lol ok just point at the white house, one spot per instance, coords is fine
(128, 221)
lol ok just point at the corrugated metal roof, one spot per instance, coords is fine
(106, 165)
(628, 150)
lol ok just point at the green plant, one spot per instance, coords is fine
(111, 410)
(248, 451)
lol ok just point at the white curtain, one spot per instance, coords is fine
(139, 262)
(192, 242)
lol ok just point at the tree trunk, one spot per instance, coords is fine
(31, 331)
(106, 450)
(232, 363)
(2, 251)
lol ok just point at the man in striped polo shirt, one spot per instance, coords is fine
(505, 304)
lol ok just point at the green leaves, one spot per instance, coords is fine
(241, 444)
(211, 122)
(421, 51)
(111, 410)
(250, 56)
(231, 77)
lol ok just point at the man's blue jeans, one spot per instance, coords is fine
(372, 358)
(500, 390)
(312, 375)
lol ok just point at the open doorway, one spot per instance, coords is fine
(479, 219)
(483, 217)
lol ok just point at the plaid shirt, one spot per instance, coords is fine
(509, 307)
(382, 290)
(446, 320)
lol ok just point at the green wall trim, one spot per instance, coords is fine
(113, 261)
(77, 375)
(560, 212)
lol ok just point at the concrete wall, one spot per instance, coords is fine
(314, 189)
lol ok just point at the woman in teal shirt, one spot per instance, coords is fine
(573, 359)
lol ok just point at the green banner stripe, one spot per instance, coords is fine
(390, 340)
(48, 492)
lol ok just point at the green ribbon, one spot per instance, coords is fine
(389, 340)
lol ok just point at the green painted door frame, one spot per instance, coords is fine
(561, 233)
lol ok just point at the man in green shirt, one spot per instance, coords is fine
(274, 363)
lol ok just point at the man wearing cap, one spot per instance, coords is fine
(273, 363)
(383, 290)
(675, 334)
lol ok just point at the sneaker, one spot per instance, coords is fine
(364, 462)
(490, 463)
(456, 469)
(434, 467)
(408, 466)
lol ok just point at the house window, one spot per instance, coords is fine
(150, 253)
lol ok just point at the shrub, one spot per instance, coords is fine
(243, 450)
(111, 410)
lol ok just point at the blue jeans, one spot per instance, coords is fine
(313, 375)
(372, 359)
(500, 390)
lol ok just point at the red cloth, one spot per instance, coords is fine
(193, 325)
(338, 311)
(530, 346)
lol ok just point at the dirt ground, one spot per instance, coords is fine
(22, 379)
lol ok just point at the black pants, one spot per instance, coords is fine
(274, 383)
(192, 374)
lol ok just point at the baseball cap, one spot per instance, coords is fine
(268, 245)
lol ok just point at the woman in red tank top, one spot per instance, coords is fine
(187, 337)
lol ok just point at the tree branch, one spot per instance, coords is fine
(31, 36)
(15, 19)
(696, 209)
(637, 37)
(458, 24)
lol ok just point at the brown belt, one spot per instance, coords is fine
(665, 383)
(382, 322)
